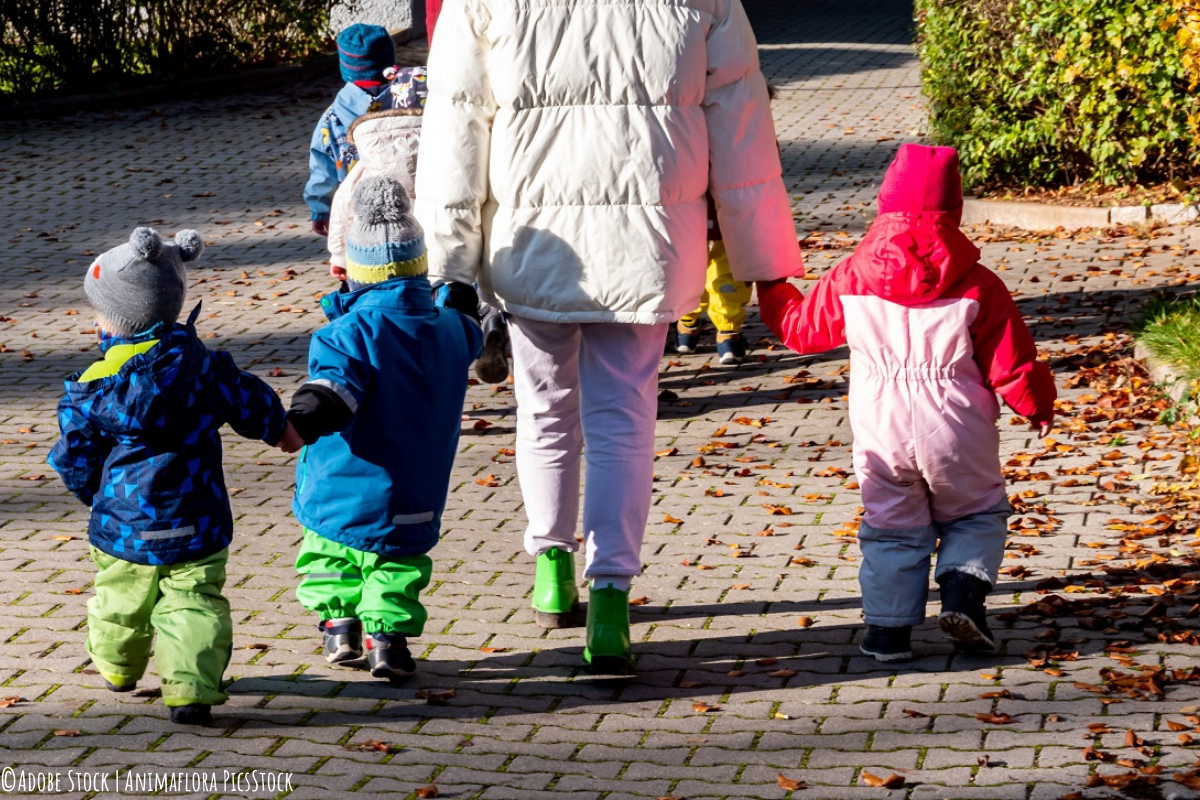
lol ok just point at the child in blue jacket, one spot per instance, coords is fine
(141, 445)
(367, 59)
(380, 415)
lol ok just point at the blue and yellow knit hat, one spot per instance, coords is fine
(385, 240)
(364, 52)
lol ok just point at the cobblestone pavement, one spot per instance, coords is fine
(733, 691)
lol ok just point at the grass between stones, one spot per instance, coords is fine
(1169, 327)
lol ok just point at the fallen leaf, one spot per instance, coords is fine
(425, 792)
(258, 646)
(782, 673)
(789, 784)
(701, 707)
(672, 520)
(915, 714)
(9, 701)
(805, 622)
(892, 781)
(66, 733)
(494, 649)
(435, 698)
(639, 601)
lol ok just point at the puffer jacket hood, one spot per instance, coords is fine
(142, 446)
(387, 143)
(914, 250)
(912, 258)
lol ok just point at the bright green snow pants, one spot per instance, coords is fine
(339, 581)
(183, 604)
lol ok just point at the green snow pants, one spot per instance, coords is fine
(339, 581)
(183, 604)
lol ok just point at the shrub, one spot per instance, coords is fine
(1052, 92)
(91, 45)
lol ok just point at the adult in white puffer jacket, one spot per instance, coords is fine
(567, 150)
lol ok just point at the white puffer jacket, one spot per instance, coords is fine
(568, 146)
(387, 143)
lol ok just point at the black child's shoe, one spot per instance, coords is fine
(888, 645)
(389, 658)
(343, 640)
(964, 615)
(192, 714)
(492, 364)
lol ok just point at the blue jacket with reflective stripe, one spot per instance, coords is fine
(400, 364)
(142, 447)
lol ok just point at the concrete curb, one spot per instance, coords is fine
(1175, 386)
(248, 80)
(1040, 216)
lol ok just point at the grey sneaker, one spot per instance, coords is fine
(389, 658)
(343, 640)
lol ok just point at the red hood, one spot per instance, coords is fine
(911, 258)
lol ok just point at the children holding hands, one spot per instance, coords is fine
(934, 336)
(380, 415)
(141, 446)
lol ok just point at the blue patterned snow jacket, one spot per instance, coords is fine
(400, 365)
(142, 446)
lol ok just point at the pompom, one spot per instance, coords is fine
(146, 243)
(190, 244)
(380, 199)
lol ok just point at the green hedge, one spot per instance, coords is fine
(96, 45)
(1053, 92)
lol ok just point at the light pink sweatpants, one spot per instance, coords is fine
(593, 384)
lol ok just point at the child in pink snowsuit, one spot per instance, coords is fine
(933, 336)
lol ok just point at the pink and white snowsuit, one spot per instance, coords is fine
(933, 337)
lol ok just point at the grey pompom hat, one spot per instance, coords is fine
(142, 283)
(385, 241)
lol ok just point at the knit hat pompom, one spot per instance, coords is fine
(380, 199)
(385, 241)
(146, 243)
(190, 244)
(141, 284)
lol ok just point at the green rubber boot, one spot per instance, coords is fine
(608, 650)
(555, 594)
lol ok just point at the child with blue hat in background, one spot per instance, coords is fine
(367, 59)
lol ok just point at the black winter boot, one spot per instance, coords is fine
(192, 714)
(887, 645)
(964, 616)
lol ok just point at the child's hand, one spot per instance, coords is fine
(1043, 429)
(290, 442)
(337, 272)
(321, 227)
